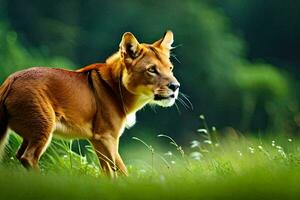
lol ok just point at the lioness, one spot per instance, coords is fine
(95, 102)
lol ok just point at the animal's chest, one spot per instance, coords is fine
(71, 131)
(130, 120)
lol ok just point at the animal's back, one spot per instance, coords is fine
(42, 96)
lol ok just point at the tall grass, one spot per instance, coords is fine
(211, 167)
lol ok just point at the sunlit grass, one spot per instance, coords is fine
(210, 167)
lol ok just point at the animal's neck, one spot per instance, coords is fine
(112, 73)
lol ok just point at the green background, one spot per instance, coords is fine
(238, 60)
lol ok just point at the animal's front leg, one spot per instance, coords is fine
(120, 164)
(106, 147)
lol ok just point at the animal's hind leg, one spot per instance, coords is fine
(35, 124)
(22, 149)
(36, 140)
(34, 150)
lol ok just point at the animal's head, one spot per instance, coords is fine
(149, 71)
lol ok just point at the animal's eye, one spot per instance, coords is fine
(152, 69)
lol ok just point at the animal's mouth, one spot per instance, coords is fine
(158, 97)
(165, 99)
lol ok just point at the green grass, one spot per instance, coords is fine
(210, 168)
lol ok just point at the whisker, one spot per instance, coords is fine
(177, 108)
(183, 103)
(184, 94)
(180, 101)
(187, 99)
(179, 45)
(174, 56)
(153, 108)
(187, 105)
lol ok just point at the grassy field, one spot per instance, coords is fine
(210, 168)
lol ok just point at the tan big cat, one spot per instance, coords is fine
(94, 103)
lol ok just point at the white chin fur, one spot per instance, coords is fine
(167, 102)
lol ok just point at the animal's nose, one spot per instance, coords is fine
(173, 86)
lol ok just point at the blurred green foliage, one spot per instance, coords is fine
(213, 67)
(269, 27)
(15, 57)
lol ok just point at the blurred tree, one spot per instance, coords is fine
(270, 28)
(15, 57)
(263, 89)
(212, 66)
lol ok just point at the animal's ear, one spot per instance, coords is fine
(129, 46)
(166, 41)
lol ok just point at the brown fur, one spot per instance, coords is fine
(92, 103)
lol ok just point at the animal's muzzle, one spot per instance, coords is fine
(173, 86)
